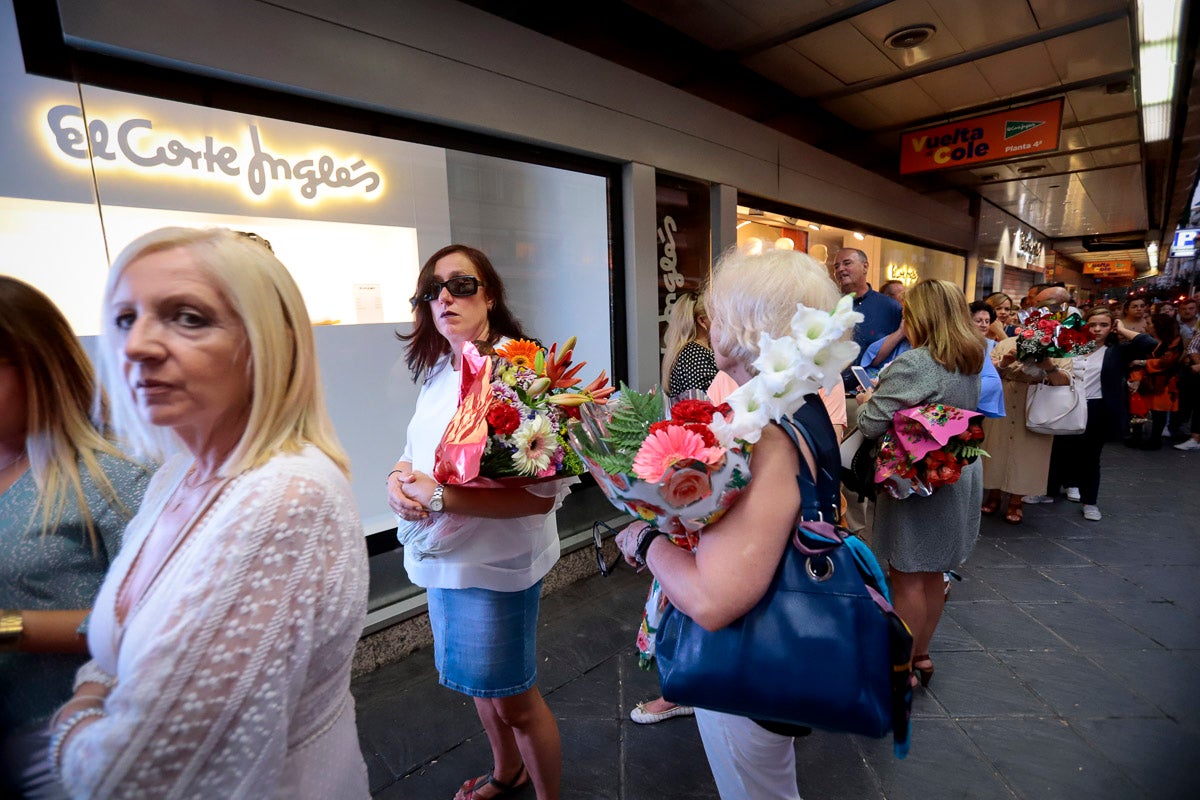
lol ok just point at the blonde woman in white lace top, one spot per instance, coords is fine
(222, 637)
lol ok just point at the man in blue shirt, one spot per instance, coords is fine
(881, 314)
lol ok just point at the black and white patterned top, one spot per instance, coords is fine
(694, 368)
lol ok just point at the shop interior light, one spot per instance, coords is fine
(1158, 39)
(743, 224)
(1152, 254)
(814, 226)
(859, 236)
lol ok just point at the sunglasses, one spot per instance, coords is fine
(598, 530)
(460, 286)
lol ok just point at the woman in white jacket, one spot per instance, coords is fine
(222, 637)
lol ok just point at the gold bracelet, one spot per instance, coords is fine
(12, 627)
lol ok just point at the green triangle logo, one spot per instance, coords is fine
(1015, 128)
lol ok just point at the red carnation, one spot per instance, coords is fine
(703, 432)
(503, 419)
(662, 426)
(693, 411)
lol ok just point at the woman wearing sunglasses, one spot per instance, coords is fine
(484, 577)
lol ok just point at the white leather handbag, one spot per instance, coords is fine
(1056, 410)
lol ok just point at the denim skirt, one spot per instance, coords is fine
(484, 642)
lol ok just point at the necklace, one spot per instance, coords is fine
(183, 492)
(14, 460)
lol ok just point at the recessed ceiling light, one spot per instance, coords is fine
(1054, 186)
(910, 36)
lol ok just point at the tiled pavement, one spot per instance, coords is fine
(1068, 666)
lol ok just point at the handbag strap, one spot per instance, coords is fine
(818, 494)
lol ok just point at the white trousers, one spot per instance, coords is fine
(748, 762)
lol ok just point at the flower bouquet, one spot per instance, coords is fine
(681, 472)
(1043, 335)
(926, 448)
(510, 425)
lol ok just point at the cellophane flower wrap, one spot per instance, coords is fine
(926, 448)
(1044, 335)
(681, 467)
(510, 425)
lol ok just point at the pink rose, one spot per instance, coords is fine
(682, 487)
(1027, 334)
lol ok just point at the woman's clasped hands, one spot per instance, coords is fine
(409, 493)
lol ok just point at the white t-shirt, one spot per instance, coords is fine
(1087, 369)
(504, 555)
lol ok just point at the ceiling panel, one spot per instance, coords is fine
(1097, 103)
(957, 87)
(1095, 51)
(845, 53)
(1052, 13)
(1005, 20)
(877, 24)
(790, 69)
(1073, 139)
(1117, 155)
(1099, 134)
(902, 102)
(776, 15)
(712, 22)
(1025, 69)
(858, 111)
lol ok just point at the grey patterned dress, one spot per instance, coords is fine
(57, 570)
(935, 533)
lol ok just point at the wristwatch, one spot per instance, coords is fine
(12, 626)
(436, 503)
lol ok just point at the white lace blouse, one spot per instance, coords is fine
(233, 670)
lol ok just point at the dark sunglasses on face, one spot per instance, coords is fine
(459, 286)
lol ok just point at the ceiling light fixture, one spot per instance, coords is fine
(814, 226)
(910, 36)
(1032, 169)
(859, 236)
(1158, 39)
(743, 224)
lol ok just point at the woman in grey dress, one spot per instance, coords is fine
(922, 537)
(65, 496)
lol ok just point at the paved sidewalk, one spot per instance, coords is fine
(1068, 666)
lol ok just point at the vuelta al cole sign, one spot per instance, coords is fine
(134, 144)
(1007, 134)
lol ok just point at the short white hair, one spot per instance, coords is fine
(754, 294)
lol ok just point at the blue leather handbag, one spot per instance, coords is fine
(823, 647)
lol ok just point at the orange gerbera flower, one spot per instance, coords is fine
(519, 352)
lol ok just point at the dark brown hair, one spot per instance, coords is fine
(425, 345)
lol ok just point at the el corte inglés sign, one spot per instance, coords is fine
(134, 145)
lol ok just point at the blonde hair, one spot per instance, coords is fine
(937, 318)
(681, 330)
(287, 408)
(59, 385)
(749, 295)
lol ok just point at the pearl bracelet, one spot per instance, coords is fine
(60, 735)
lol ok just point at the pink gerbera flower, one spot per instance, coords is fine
(668, 446)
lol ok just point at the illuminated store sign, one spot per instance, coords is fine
(1003, 135)
(1027, 246)
(135, 146)
(904, 273)
(1109, 269)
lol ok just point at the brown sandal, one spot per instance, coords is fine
(991, 502)
(1015, 512)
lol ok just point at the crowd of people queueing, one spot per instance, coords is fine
(185, 571)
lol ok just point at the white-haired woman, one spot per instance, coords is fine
(222, 637)
(732, 567)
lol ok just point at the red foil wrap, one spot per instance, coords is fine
(456, 460)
